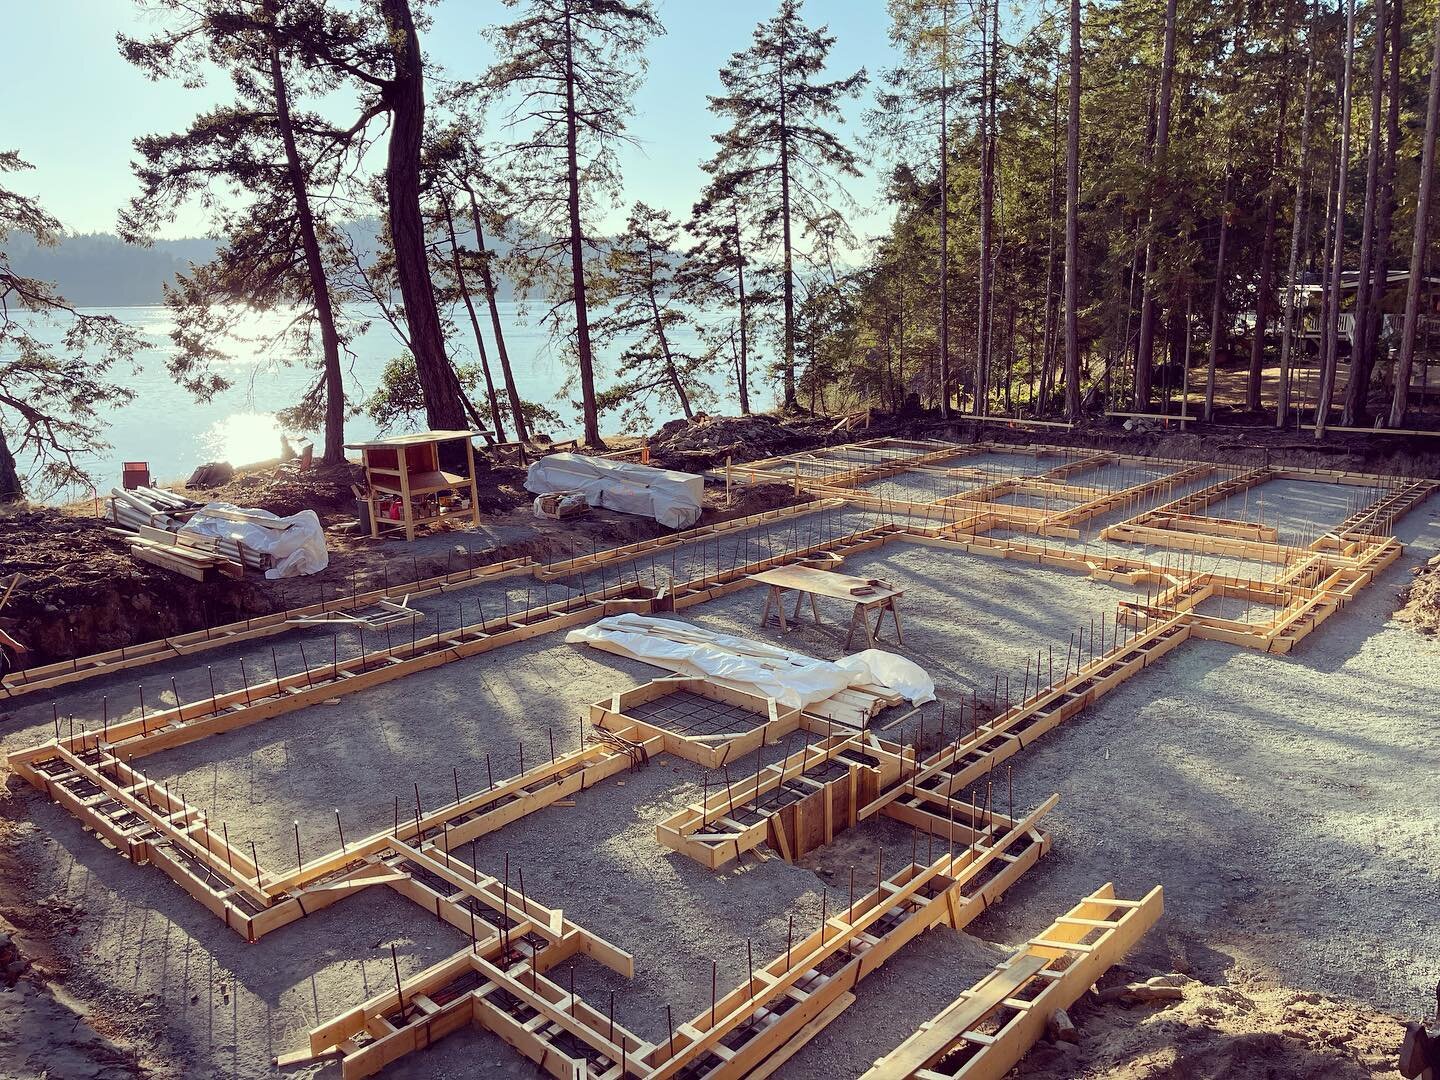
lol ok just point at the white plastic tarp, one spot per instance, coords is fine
(295, 551)
(792, 679)
(671, 498)
(893, 672)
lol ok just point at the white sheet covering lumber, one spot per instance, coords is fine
(296, 551)
(792, 679)
(672, 498)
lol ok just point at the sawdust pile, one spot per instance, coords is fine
(1224, 1033)
(1422, 599)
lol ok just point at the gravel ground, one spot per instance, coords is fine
(1272, 796)
(1302, 509)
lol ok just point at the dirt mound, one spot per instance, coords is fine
(707, 440)
(1422, 599)
(324, 489)
(83, 593)
(1234, 1033)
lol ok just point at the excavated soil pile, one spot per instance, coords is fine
(324, 489)
(82, 593)
(1224, 1033)
(1422, 599)
(691, 445)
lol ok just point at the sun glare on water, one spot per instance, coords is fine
(243, 438)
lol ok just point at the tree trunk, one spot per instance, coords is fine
(405, 95)
(987, 196)
(787, 267)
(1041, 394)
(487, 281)
(1330, 339)
(333, 451)
(460, 284)
(1145, 351)
(1265, 287)
(1297, 228)
(1385, 220)
(670, 372)
(1217, 308)
(1072, 225)
(945, 215)
(1405, 364)
(1358, 390)
(583, 348)
(743, 377)
(11, 489)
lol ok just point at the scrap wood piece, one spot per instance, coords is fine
(384, 612)
(10, 585)
(1062, 963)
(278, 524)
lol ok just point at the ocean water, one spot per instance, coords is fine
(165, 426)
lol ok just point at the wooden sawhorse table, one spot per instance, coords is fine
(867, 594)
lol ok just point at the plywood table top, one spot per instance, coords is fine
(828, 583)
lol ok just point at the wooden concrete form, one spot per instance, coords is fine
(565, 568)
(758, 1018)
(51, 676)
(713, 750)
(836, 780)
(734, 819)
(985, 1032)
(507, 992)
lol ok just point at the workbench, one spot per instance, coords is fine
(407, 467)
(867, 594)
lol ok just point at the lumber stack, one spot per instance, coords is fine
(854, 706)
(150, 519)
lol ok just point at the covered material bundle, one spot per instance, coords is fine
(295, 544)
(672, 498)
(792, 679)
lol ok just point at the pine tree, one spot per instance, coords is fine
(641, 285)
(567, 70)
(53, 395)
(1072, 224)
(719, 273)
(779, 150)
(1299, 223)
(460, 182)
(1330, 337)
(912, 115)
(401, 93)
(1149, 305)
(271, 251)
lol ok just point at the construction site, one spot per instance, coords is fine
(1161, 814)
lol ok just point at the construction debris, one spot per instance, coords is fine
(559, 505)
(158, 516)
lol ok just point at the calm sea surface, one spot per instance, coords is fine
(166, 427)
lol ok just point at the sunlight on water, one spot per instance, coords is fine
(241, 438)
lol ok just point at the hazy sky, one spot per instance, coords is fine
(74, 106)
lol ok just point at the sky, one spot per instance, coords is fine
(74, 106)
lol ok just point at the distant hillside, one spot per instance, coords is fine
(99, 270)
